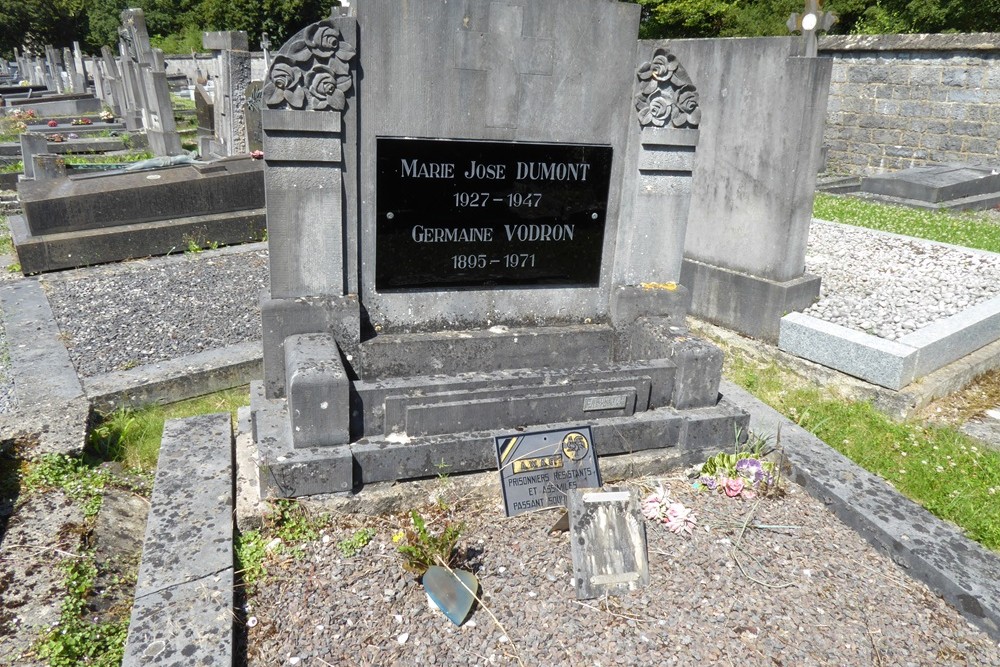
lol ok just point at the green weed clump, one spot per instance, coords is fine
(132, 436)
(950, 474)
(76, 639)
(81, 482)
(968, 228)
(422, 547)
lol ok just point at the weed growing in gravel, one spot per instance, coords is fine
(968, 229)
(351, 546)
(75, 639)
(421, 547)
(132, 436)
(947, 472)
(250, 552)
(288, 527)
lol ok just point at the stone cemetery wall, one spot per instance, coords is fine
(899, 101)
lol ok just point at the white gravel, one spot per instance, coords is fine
(888, 285)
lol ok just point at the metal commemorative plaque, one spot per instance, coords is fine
(537, 469)
(481, 214)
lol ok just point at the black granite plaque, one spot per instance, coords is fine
(537, 469)
(475, 214)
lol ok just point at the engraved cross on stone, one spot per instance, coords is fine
(506, 55)
(809, 22)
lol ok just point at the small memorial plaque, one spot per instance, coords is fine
(489, 214)
(537, 469)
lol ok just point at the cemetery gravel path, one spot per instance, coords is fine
(794, 587)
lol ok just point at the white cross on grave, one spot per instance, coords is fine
(809, 22)
(506, 55)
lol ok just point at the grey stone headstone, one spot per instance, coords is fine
(252, 107)
(608, 542)
(204, 110)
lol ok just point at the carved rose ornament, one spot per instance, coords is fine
(666, 97)
(311, 71)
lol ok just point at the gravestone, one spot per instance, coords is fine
(459, 242)
(937, 186)
(204, 109)
(146, 85)
(252, 108)
(754, 180)
(233, 67)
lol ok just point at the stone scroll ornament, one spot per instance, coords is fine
(666, 95)
(311, 71)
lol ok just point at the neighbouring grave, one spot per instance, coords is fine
(110, 216)
(481, 234)
(234, 75)
(145, 84)
(754, 179)
(950, 186)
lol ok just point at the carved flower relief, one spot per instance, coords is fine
(327, 88)
(311, 71)
(686, 109)
(285, 84)
(666, 94)
(654, 109)
(660, 68)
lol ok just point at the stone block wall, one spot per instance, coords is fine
(900, 101)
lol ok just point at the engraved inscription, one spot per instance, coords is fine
(489, 214)
(592, 403)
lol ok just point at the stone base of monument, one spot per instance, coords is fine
(112, 216)
(953, 186)
(396, 406)
(752, 305)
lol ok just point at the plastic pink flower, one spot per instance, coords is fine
(680, 519)
(733, 487)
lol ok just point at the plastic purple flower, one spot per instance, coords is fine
(750, 469)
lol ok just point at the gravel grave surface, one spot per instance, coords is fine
(774, 582)
(887, 285)
(119, 316)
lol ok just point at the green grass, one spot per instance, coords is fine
(12, 167)
(97, 158)
(968, 228)
(181, 103)
(953, 476)
(133, 436)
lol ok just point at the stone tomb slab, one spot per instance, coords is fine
(935, 185)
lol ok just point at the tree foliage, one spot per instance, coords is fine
(752, 18)
(174, 25)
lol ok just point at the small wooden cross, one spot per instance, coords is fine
(809, 22)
